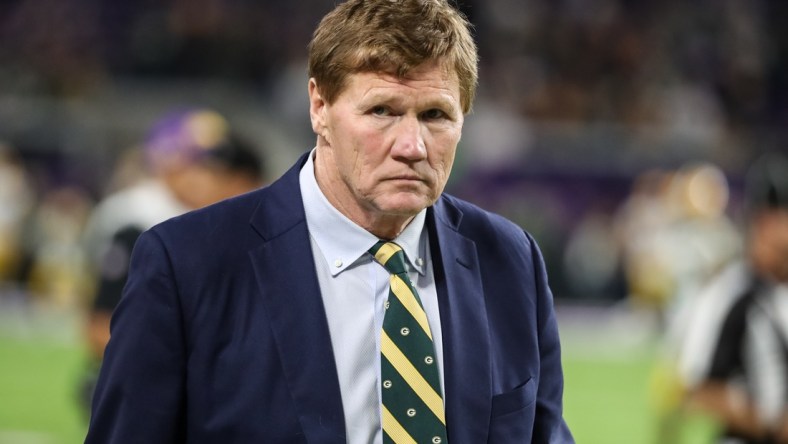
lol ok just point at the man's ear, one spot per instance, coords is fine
(317, 109)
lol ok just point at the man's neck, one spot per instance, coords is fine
(384, 226)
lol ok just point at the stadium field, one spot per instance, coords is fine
(607, 393)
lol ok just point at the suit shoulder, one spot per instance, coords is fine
(204, 224)
(477, 221)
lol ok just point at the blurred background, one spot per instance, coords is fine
(617, 132)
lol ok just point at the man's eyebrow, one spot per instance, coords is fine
(437, 101)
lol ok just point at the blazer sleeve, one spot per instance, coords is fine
(549, 424)
(140, 392)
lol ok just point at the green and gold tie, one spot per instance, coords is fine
(412, 403)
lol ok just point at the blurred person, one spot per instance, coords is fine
(675, 235)
(17, 199)
(57, 274)
(734, 354)
(267, 318)
(644, 213)
(591, 260)
(704, 237)
(194, 160)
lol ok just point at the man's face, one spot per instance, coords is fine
(386, 145)
(770, 243)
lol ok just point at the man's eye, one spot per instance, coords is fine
(433, 114)
(379, 111)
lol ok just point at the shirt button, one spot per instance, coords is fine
(419, 262)
(337, 263)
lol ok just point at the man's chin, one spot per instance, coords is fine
(407, 205)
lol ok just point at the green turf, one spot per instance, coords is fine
(607, 398)
(606, 401)
(611, 397)
(38, 381)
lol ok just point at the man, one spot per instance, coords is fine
(261, 319)
(735, 354)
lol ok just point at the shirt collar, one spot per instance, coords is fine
(340, 240)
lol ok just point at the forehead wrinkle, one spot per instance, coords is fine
(438, 95)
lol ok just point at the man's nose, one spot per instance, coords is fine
(409, 139)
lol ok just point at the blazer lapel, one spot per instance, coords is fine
(290, 290)
(466, 341)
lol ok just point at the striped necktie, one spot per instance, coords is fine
(412, 405)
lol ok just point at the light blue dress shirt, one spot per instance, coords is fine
(354, 289)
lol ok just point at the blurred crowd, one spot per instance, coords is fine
(579, 102)
(589, 97)
(699, 73)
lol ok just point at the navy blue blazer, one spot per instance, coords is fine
(221, 335)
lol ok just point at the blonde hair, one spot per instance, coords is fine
(394, 37)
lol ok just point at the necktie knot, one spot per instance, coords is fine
(390, 255)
